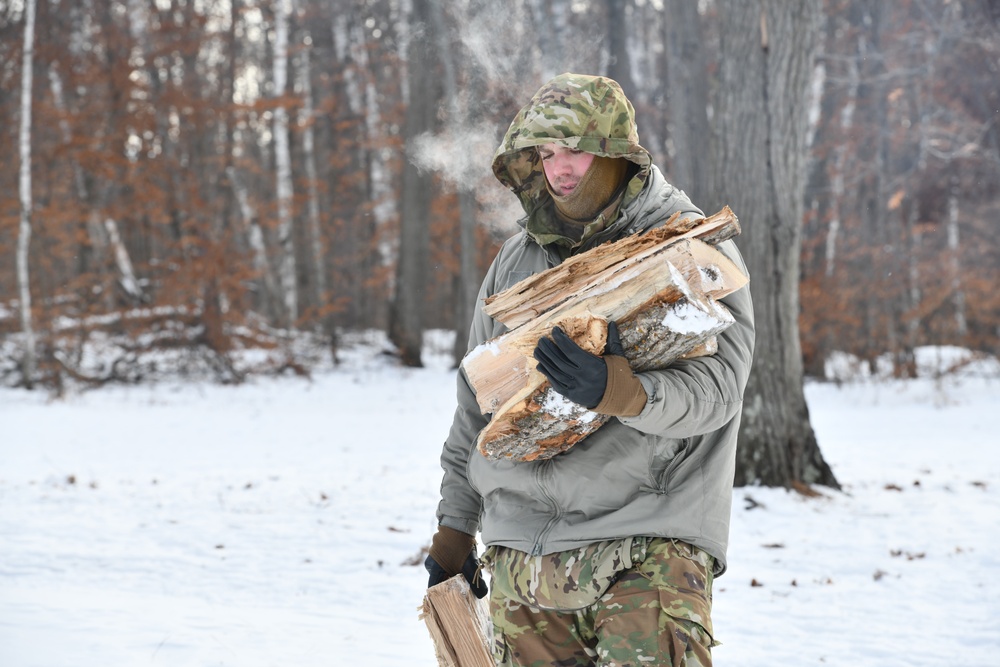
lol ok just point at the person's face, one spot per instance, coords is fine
(564, 167)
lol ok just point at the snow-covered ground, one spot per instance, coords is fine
(281, 522)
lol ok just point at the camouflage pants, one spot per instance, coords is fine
(656, 613)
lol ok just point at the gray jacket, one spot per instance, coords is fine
(667, 472)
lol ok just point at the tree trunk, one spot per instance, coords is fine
(314, 229)
(552, 14)
(870, 192)
(760, 169)
(619, 67)
(405, 322)
(462, 116)
(99, 235)
(29, 358)
(955, 262)
(688, 132)
(283, 160)
(255, 239)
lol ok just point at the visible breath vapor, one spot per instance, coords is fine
(462, 157)
(461, 153)
(492, 38)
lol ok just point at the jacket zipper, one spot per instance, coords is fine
(543, 469)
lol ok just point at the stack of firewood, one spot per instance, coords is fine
(662, 288)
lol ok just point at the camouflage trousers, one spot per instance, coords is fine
(656, 612)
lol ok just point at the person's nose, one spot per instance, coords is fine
(562, 166)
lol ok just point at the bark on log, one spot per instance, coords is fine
(459, 624)
(661, 289)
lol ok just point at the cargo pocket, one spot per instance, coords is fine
(690, 645)
(682, 575)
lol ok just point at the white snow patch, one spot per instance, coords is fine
(685, 317)
(558, 405)
(491, 346)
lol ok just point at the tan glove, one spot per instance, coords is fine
(450, 548)
(451, 552)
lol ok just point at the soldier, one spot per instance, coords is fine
(606, 553)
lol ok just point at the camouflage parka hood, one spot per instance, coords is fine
(589, 113)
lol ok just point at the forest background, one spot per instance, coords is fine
(209, 177)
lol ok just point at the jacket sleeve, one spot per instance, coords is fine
(696, 396)
(460, 503)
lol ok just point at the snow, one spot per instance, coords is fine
(558, 405)
(685, 317)
(274, 523)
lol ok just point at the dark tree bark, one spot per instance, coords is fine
(619, 67)
(767, 53)
(405, 321)
(687, 99)
(870, 194)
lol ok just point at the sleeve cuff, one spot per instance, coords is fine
(624, 395)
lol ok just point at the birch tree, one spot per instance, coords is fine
(255, 236)
(29, 360)
(283, 166)
(101, 234)
(760, 168)
(954, 261)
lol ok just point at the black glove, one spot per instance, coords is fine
(613, 345)
(470, 570)
(572, 371)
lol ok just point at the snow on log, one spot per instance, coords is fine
(459, 624)
(660, 287)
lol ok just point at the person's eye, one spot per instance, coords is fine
(545, 156)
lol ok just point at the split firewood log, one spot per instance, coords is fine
(459, 624)
(661, 288)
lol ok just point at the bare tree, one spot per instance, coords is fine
(552, 14)
(619, 66)
(100, 235)
(165, 164)
(760, 168)
(463, 112)
(306, 117)
(29, 360)
(405, 318)
(687, 98)
(283, 159)
(360, 251)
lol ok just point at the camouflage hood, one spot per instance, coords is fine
(590, 113)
